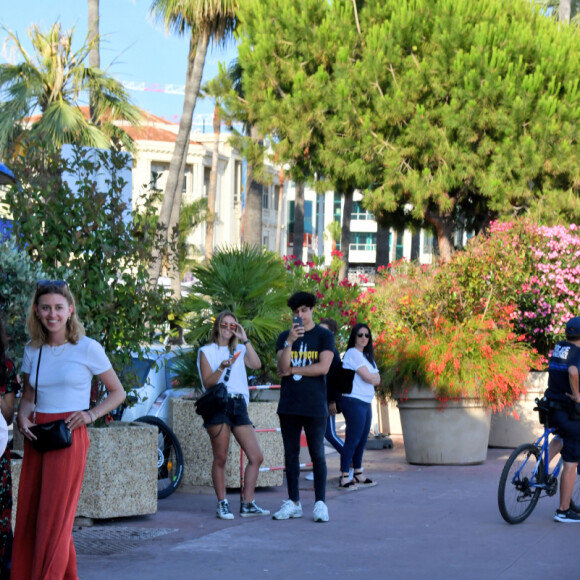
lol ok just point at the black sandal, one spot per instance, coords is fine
(364, 482)
(350, 485)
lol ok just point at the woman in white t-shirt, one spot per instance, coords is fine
(224, 360)
(59, 364)
(356, 406)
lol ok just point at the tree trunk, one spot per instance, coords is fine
(170, 208)
(443, 226)
(383, 245)
(565, 11)
(252, 220)
(211, 194)
(94, 52)
(173, 270)
(345, 237)
(299, 220)
(280, 214)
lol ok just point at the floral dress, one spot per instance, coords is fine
(11, 386)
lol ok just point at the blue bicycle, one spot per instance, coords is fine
(526, 474)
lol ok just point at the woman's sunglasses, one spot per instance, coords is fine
(225, 325)
(363, 334)
(51, 283)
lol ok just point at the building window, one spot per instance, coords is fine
(206, 178)
(359, 213)
(237, 182)
(159, 172)
(187, 179)
(307, 217)
(363, 241)
(427, 242)
(336, 209)
(265, 196)
(399, 249)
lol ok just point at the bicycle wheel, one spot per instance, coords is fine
(170, 458)
(516, 495)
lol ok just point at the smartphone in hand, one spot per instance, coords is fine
(297, 320)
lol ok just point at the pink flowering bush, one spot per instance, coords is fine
(551, 293)
(336, 298)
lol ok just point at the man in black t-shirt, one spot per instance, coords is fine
(563, 392)
(304, 355)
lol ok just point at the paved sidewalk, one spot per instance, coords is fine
(419, 522)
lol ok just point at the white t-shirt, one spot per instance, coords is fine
(215, 355)
(3, 434)
(354, 359)
(66, 373)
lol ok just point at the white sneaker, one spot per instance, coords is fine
(310, 476)
(320, 512)
(223, 510)
(288, 510)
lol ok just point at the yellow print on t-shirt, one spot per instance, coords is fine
(303, 357)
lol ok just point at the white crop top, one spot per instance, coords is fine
(65, 374)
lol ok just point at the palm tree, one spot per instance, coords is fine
(216, 89)
(53, 81)
(252, 146)
(94, 53)
(206, 20)
(250, 282)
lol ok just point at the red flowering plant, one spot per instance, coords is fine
(445, 327)
(337, 298)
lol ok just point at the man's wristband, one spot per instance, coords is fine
(286, 344)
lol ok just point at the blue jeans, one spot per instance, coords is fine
(357, 416)
(314, 428)
(331, 435)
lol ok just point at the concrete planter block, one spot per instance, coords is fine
(196, 446)
(509, 431)
(386, 416)
(16, 468)
(121, 474)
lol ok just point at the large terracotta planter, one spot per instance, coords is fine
(435, 433)
(508, 430)
(196, 446)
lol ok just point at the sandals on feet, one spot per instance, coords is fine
(350, 485)
(366, 482)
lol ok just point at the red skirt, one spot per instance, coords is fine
(48, 494)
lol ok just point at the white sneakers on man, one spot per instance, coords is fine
(288, 510)
(320, 512)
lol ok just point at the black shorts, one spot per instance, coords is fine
(569, 430)
(235, 414)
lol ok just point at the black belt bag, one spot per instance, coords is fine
(52, 435)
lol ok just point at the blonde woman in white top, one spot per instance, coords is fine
(356, 406)
(224, 360)
(59, 363)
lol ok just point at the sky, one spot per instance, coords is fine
(135, 49)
